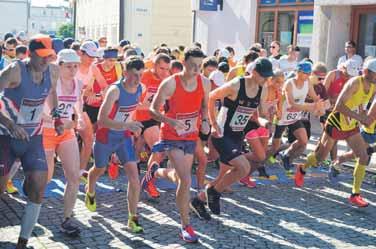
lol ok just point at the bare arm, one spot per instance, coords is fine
(204, 106)
(54, 70)
(10, 77)
(329, 79)
(165, 91)
(111, 97)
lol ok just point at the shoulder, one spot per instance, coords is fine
(168, 85)
(54, 71)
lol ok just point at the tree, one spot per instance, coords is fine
(65, 30)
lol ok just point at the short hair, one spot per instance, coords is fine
(134, 62)
(181, 48)
(163, 45)
(276, 42)
(250, 56)
(293, 48)
(255, 49)
(164, 50)
(197, 44)
(11, 41)
(320, 67)
(193, 52)
(223, 67)
(162, 57)
(21, 49)
(351, 43)
(210, 62)
(176, 64)
(216, 52)
(75, 46)
(130, 52)
(230, 49)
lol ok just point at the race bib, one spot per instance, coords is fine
(190, 122)
(149, 96)
(30, 112)
(305, 116)
(66, 106)
(241, 117)
(291, 116)
(124, 113)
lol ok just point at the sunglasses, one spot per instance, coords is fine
(349, 47)
(272, 47)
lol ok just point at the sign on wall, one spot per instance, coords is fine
(305, 28)
(209, 5)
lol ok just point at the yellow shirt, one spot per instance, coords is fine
(356, 103)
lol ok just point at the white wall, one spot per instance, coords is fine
(235, 26)
(47, 19)
(13, 16)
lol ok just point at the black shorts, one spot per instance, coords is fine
(228, 148)
(148, 123)
(279, 129)
(290, 134)
(92, 112)
(204, 137)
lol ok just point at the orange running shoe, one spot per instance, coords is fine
(148, 181)
(357, 200)
(299, 176)
(246, 181)
(113, 169)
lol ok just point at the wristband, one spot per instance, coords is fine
(55, 113)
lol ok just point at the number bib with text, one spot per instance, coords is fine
(241, 117)
(30, 112)
(190, 121)
(149, 96)
(66, 106)
(289, 117)
(124, 113)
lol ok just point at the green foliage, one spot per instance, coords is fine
(65, 30)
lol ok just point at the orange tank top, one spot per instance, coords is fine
(110, 77)
(151, 83)
(185, 107)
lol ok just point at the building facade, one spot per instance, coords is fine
(144, 22)
(47, 19)
(14, 13)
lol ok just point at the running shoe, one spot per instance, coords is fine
(144, 156)
(213, 200)
(113, 171)
(333, 173)
(272, 160)
(286, 164)
(90, 202)
(198, 207)
(246, 181)
(11, 189)
(299, 176)
(148, 181)
(188, 234)
(357, 200)
(262, 172)
(69, 228)
(84, 176)
(134, 225)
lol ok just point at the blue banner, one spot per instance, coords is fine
(287, 1)
(209, 5)
(267, 2)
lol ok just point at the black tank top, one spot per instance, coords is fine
(239, 111)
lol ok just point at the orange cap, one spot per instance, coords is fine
(41, 45)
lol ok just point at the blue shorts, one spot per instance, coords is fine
(368, 137)
(122, 146)
(188, 147)
(31, 153)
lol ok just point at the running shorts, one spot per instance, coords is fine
(290, 134)
(260, 132)
(228, 148)
(51, 141)
(188, 147)
(147, 124)
(336, 134)
(122, 146)
(92, 112)
(368, 137)
(31, 153)
(279, 129)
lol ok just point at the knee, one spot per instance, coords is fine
(186, 181)
(244, 169)
(364, 158)
(303, 141)
(261, 156)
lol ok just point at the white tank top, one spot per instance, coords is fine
(66, 103)
(289, 114)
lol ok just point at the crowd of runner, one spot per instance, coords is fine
(97, 108)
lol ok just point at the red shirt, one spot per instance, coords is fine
(185, 107)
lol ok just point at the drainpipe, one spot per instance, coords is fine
(121, 19)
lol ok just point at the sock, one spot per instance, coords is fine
(311, 160)
(359, 173)
(13, 170)
(29, 219)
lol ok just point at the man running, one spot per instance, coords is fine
(152, 79)
(26, 86)
(115, 124)
(241, 99)
(179, 130)
(343, 124)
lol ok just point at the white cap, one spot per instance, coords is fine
(22, 36)
(351, 67)
(217, 77)
(370, 65)
(90, 48)
(68, 56)
(224, 53)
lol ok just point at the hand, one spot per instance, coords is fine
(135, 127)
(59, 126)
(178, 125)
(216, 130)
(18, 132)
(205, 127)
(366, 120)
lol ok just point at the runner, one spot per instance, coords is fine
(240, 70)
(241, 98)
(115, 122)
(289, 62)
(152, 79)
(343, 124)
(26, 86)
(275, 54)
(66, 145)
(88, 54)
(295, 91)
(179, 130)
(9, 51)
